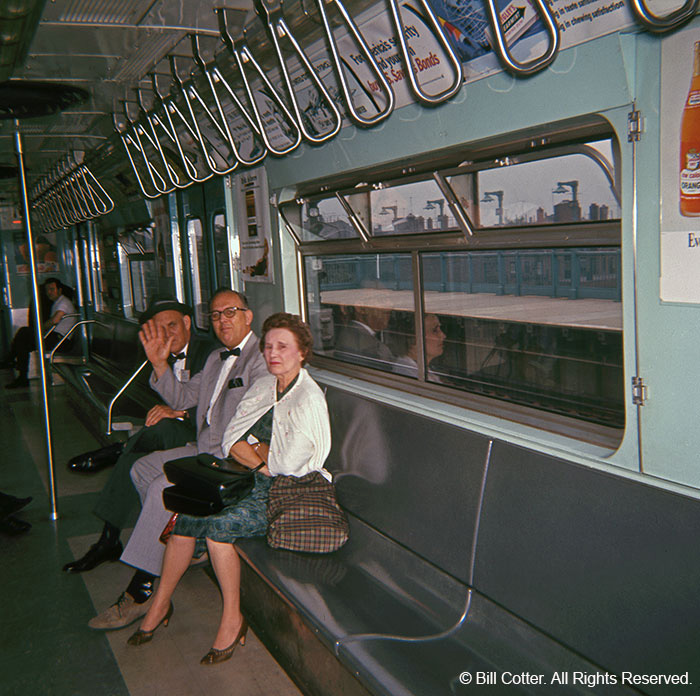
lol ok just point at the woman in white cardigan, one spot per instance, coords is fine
(281, 422)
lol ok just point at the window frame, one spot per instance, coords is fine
(606, 233)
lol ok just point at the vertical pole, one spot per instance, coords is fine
(37, 319)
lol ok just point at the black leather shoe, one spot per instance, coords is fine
(92, 462)
(14, 526)
(97, 553)
(9, 505)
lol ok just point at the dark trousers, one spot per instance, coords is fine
(24, 343)
(119, 503)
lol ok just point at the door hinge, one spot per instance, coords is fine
(634, 125)
(640, 393)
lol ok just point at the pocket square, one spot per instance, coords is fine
(235, 382)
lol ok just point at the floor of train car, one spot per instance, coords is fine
(46, 645)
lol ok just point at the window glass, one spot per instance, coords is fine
(354, 302)
(221, 251)
(144, 281)
(200, 272)
(138, 269)
(536, 327)
(317, 219)
(563, 189)
(413, 208)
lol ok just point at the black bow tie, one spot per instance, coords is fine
(172, 359)
(226, 354)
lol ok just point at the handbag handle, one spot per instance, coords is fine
(214, 464)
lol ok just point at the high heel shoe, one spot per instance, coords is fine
(215, 656)
(140, 637)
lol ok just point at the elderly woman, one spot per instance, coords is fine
(282, 421)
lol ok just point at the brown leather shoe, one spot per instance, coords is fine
(122, 613)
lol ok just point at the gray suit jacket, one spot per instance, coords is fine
(198, 391)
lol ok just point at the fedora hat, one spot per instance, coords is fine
(163, 304)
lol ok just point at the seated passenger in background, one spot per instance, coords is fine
(24, 341)
(292, 440)
(119, 503)
(402, 339)
(216, 392)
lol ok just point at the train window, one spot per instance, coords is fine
(137, 263)
(177, 249)
(411, 208)
(200, 272)
(532, 319)
(221, 251)
(356, 298)
(95, 254)
(317, 219)
(574, 184)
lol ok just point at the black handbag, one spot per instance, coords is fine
(205, 485)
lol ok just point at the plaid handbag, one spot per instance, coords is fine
(303, 515)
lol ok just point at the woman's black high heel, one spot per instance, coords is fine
(215, 656)
(141, 637)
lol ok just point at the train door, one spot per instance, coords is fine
(205, 245)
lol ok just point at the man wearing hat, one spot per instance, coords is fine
(119, 503)
(215, 391)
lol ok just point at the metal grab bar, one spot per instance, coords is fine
(72, 328)
(191, 96)
(107, 207)
(66, 197)
(169, 109)
(129, 142)
(137, 130)
(453, 61)
(340, 65)
(243, 56)
(669, 22)
(214, 76)
(151, 121)
(119, 393)
(517, 68)
(277, 28)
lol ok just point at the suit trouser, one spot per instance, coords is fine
(144, 550)
(119, 503)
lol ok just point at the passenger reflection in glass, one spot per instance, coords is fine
(402, 341)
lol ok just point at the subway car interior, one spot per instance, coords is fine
(488, 214)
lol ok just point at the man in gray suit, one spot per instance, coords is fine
(215, 391)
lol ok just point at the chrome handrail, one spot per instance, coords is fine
(243, 56)
(146, 117)
(70, 331)
(663, 23)
(119, 393)
(128, 142)
(108, 206)
(277, 28)
(453, 61)
(169, 109)
(214, 76)
(190, 94)
(370, 61)
(524, 68)
(137, 130)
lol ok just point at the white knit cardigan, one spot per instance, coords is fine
(301, 430)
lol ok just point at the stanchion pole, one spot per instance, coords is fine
(37, 319)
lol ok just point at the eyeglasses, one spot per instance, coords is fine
(229, 313)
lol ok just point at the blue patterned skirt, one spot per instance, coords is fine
(248, 518)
